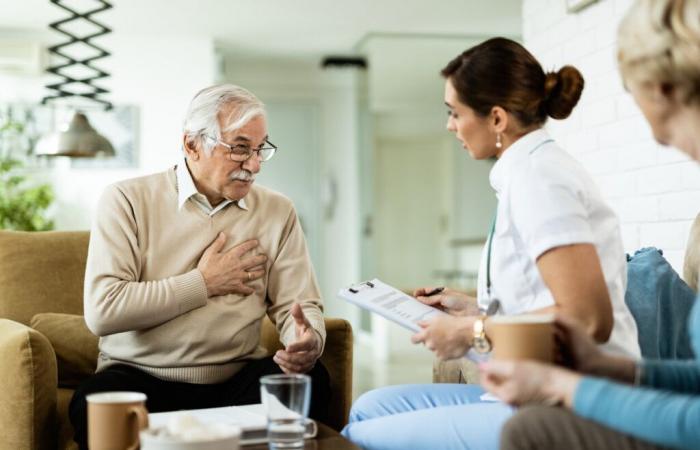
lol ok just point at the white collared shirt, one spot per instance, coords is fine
(186, 190)
(547, 200)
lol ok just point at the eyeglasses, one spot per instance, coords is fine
(242, 152)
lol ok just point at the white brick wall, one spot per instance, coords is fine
(654, 190)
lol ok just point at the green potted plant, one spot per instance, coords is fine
(23, 205)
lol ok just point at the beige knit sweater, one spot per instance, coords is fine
(147, 301)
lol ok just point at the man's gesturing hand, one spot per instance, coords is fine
(230, 272)
(301, 355)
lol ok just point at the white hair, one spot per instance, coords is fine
(202, 118)
(659, 41)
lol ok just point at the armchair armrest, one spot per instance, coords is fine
(337, 358)
(75, 346)
(28, 396)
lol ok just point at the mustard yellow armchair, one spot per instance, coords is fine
(46, 349)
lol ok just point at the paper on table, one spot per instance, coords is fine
(278, 410)
(252, 420)
(390, 303)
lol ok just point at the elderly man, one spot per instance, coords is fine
(184, 264)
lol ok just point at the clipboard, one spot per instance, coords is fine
(390, 303)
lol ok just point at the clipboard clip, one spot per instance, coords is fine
(359, 287)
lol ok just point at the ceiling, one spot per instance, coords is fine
(304, 29)
(406, 42)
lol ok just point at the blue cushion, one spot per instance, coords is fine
(660, 302)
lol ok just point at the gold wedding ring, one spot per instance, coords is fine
(249, 276)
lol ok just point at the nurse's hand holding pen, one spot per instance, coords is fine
(448, 336)
(448, 300)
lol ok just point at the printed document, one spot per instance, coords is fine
(390, 303)
(251, 418)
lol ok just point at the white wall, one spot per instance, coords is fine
(340, 144)
(412, 212)
(411, 209)
(159, 74)
(654, 190)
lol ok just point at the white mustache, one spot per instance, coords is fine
(242, 175)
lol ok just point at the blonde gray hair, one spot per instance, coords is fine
(659, 41)
(202, 117)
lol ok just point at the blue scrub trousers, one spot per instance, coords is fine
(426, 416)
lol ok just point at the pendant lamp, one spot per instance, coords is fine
(78, 138)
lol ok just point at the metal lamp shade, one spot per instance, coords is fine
(80, 140)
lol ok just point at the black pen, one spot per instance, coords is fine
(434, 291)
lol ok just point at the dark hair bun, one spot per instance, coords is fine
(562, 90)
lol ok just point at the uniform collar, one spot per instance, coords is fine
(518, 151)
(186, 190)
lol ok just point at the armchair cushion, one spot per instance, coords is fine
(74, 344)
(28, 398)
(41, 272)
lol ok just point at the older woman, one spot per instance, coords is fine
(616, 402)
(555, 246)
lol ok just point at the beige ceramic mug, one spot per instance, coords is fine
(524, 336)
(115, 419)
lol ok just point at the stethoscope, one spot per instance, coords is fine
(494, 304)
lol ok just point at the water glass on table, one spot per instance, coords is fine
(286, 399)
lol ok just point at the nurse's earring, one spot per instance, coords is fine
(499, 144)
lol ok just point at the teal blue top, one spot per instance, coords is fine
(664, 410)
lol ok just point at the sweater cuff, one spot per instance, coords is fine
(190, 291)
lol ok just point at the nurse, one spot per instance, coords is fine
(613, 402)
(554, 246)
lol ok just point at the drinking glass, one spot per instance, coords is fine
(286, 399)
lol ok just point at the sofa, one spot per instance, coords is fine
(46, 349)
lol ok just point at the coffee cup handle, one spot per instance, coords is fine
(142, 419)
